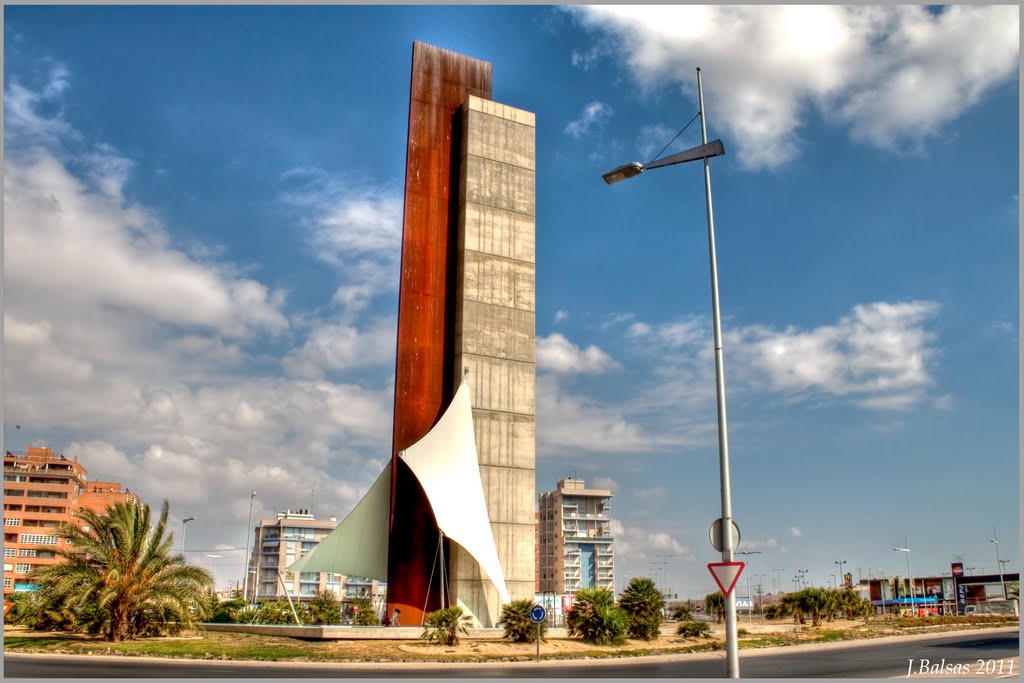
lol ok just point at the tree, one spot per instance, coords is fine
(815, 602)
(515, 619)
(365, 615)
(324, 608)
(595, 618)
(445, 625)
(119, 563)
(643, 604)
(683, 612)
(714, 603)
(791, 605)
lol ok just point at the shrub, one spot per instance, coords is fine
(694, 629)
(365, 615)
(682, 613)
(445, 625)
(642, 603)
(324, 608)
(227, 612)
(714, 603)
(595, 618)
(517, 623)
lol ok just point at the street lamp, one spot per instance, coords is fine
(744, 553)
(245, 561)
(183, 523)
(999, 562)
(913, 593)
(633, 169)
(664, 563)
(841, 575)
(778, 578)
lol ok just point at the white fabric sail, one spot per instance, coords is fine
(359, 545)
(446, 465)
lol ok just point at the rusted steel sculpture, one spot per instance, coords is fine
(424, 377)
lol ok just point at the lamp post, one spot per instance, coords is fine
(183, 523)
(633, 169)
(778, 578)
(213, 568)
(664, 586)
(842, 576)
(744, 553)
(913, 593)
(245, 560)
(999, 562)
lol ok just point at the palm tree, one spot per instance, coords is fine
(120, 564)
(714, 603)
(519, 627)
(815, 602)
(595, 618)
(445, 625)
(643, 603)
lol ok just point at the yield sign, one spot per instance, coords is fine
(725, 574)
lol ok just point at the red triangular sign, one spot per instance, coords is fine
(726, 574)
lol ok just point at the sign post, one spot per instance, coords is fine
(538, 615)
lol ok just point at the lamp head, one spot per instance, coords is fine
(624, 172)
(187, 519)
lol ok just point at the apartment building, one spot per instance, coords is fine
(281, 541)
(575, 538)
(41, 490)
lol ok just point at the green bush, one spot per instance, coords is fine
(324, 608)
(445, 625)
(682, 613)
(227, 612)
(365, 615)
(694, 629)
(515, 617)
(642, 603)
(595, 618)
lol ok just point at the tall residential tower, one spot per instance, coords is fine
(575, 538)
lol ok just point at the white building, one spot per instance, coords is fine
(280, 542)
(575, 538)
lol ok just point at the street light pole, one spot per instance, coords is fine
(999, 562)
(842, 577)
(245, 560)
(913, 593)
(631, 170)
(778, 578)
(183, 523)
(744, 553)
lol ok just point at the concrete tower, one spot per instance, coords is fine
(466, 301)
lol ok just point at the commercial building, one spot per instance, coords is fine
(41, 490)
(934, 595)
(281, 541)
(575, 545)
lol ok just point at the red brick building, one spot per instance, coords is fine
(41, 490)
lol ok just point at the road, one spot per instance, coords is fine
(884, 658)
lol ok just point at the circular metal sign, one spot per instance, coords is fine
(715, 534)
(538, 614)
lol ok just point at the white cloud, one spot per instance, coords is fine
(152, 360)
(878, 355)
(594, 116)
(886, 73)
(656, 492)
(636, 546)
(795, 531)
(605, 483)
(557, 354)
(561, 315)
(354, 227)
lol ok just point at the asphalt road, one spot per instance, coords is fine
(891, 657)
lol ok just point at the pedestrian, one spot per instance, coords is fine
(394, 617)
(386, 621)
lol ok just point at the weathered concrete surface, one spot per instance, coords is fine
(495, 340)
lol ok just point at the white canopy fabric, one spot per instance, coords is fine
(359, 545)
(446, 465)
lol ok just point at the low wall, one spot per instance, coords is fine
(355, 632)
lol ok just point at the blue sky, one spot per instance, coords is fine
(202, 232)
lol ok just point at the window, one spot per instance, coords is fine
(37, 539)
(7, 583)
(25, 552)
(8, 552)
(22, 568)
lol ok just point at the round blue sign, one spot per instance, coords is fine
(538, 614)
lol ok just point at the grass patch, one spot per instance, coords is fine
(831, 635)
